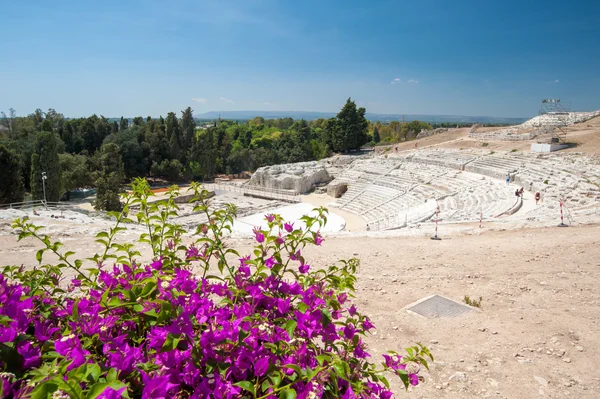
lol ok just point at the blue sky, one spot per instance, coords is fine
(149, 57)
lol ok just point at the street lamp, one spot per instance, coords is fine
(44, 177)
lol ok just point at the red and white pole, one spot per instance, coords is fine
(437, 217)
(562, 222)
(480, 218)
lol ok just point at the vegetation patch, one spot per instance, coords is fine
(190, 323)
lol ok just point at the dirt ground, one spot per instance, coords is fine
(583, 137)
(536, 334)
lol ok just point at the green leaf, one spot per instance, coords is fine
(326, 317)
(404, 377)
(97, 389)
(148, 288)
(248, 386)
(297, 369)
(44, 390)
(290, 327)
(323, 358)
(111, 375)
(287, 393)
(275, 379)
(170, 343)
(38, 255)
(340, 371)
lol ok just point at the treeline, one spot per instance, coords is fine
(45, 150)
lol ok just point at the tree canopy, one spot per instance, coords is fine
(175, 148)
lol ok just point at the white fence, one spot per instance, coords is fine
(34, 204)
(258, 191)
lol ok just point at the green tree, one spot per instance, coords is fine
(11, 180)
(135, 152)
(174, 133)
(188, 128)
(138, 121)
(170, 169)
(123, 124)
(93, 131)
(157, 140)
(45, 160)
(352, 127)
(376, 138)
(203, 154)
(108, 178)
(75, 172)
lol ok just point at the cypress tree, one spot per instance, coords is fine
(108, 178)
(11, 180)
(124, 124)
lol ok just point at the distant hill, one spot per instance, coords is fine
(308, 115)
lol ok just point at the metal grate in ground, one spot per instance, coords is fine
(438, 306)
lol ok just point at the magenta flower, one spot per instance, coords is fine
(156, 387)
(289, 227)
(31, 355)
(279, 240)
(349, 331)
(270, 262)
(318, 238)
(110, 393)
(304, 268)
(352, 310)
(413, 379)
(261, 365)
(367, 325)
(258, 235)
(270, 217)
(70, 348)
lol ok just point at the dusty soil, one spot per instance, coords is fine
(584, 137)
(536, 334)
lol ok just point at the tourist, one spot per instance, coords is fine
(508, 179)
(537, 197)
(521, 192)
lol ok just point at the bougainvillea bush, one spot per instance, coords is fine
(192, 323)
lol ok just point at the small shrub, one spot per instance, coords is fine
(472, 302)
(485, 144)
(545, 181)
(492, 152)
(514, 150)
(190, 324)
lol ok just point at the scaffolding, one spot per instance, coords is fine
(555, 118)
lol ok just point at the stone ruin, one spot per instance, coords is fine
(337, 189)
(541, 125)
(300, 177)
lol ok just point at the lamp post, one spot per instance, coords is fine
(44, 177)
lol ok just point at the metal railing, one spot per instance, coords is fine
(34, 204)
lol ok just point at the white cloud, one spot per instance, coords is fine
(227, 100)
(556, 81)
(396, 80)
(200, 100)
(413, 81)
(268, 103)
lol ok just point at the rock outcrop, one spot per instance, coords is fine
(336, 189)
(300, 177)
